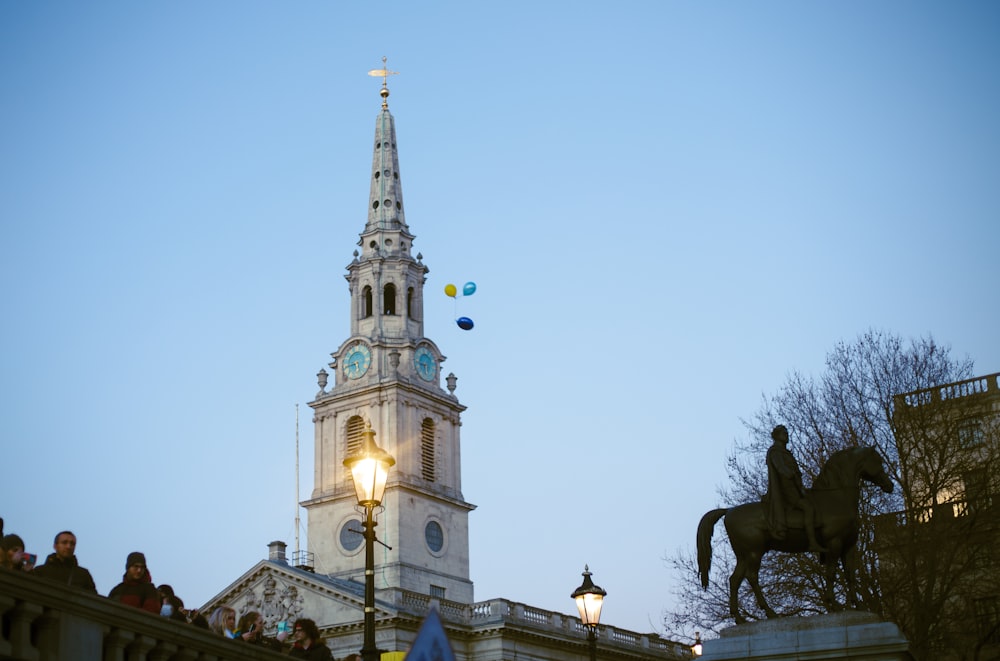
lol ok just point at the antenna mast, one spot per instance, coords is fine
(296, 481)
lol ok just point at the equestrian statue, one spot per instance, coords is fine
(790, 518)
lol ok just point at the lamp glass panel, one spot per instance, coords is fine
(589, 605)
(370, 476)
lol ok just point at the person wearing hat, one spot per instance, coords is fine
(136, 588)
(62, 566)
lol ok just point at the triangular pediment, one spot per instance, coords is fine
(283, 594)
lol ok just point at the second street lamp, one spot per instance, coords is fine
(369, 468)
(589, 599)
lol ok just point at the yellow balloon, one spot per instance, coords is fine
(450, 290)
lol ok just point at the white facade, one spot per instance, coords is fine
(388, 375)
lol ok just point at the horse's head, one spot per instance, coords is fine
(872, 468)
(846, 467)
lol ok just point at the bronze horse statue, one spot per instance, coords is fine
(835, 494)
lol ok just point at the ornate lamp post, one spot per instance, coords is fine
(369, 467)
(589, 599)
(696, 649)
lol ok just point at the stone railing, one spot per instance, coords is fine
(43, 621)
(957, 509)
(510, 613)
(950, 391)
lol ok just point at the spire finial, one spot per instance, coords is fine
(385, 73)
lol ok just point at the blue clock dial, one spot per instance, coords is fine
(357, 360)
(426, 366)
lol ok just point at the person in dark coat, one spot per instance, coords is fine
(308, 643)
(171, 605)
(12, 555)
(62, 567)
(250, 630)
(136, 588)
(198, 620)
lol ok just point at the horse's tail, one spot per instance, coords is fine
(705, 529)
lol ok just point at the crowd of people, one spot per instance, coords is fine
(138, 591)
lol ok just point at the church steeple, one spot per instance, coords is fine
(388, 375)
(385, 210)
(386, 281)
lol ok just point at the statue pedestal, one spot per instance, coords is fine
(844, 635)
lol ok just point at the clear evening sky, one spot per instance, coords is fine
(667, 207)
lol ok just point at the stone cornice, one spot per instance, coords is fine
(381, 391)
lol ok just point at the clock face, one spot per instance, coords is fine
(424, 361)
(357, 359)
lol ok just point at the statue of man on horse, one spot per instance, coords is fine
(785, 491)
(792, 519)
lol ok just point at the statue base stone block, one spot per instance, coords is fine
(855, 635)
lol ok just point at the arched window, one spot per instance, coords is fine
(389, 294)
(409, 303)
(427, 468)
(355, 429)
(366, 302)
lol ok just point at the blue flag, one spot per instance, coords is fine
(431, 643)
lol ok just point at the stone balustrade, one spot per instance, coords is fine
(980, 385)
(984, 505)
(485, 614)
(44, 621)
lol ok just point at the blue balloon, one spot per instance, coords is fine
(464, 323)
(469, 289)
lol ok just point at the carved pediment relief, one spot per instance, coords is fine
(282, 595)
(276, 600)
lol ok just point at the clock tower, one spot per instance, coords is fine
(388, 374)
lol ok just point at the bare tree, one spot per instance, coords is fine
(854, 402)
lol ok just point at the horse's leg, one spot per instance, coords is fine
(735, 580)
(753, 578)
(847, 562)
(831, 576)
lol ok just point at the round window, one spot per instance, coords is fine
(434, 536)
(351, 535)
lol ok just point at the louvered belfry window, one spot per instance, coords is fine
(355, 427)
(427, 450)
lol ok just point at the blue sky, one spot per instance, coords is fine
(666, 206)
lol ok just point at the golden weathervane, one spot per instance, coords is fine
(385, 73)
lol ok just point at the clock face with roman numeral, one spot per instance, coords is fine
(426, 366)
(357, 360)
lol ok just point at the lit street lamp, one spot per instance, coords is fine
(369, 467)
(589, 599)
(696, 649)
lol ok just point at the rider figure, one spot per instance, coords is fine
(785, 490)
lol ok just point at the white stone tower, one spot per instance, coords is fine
(389, 375)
